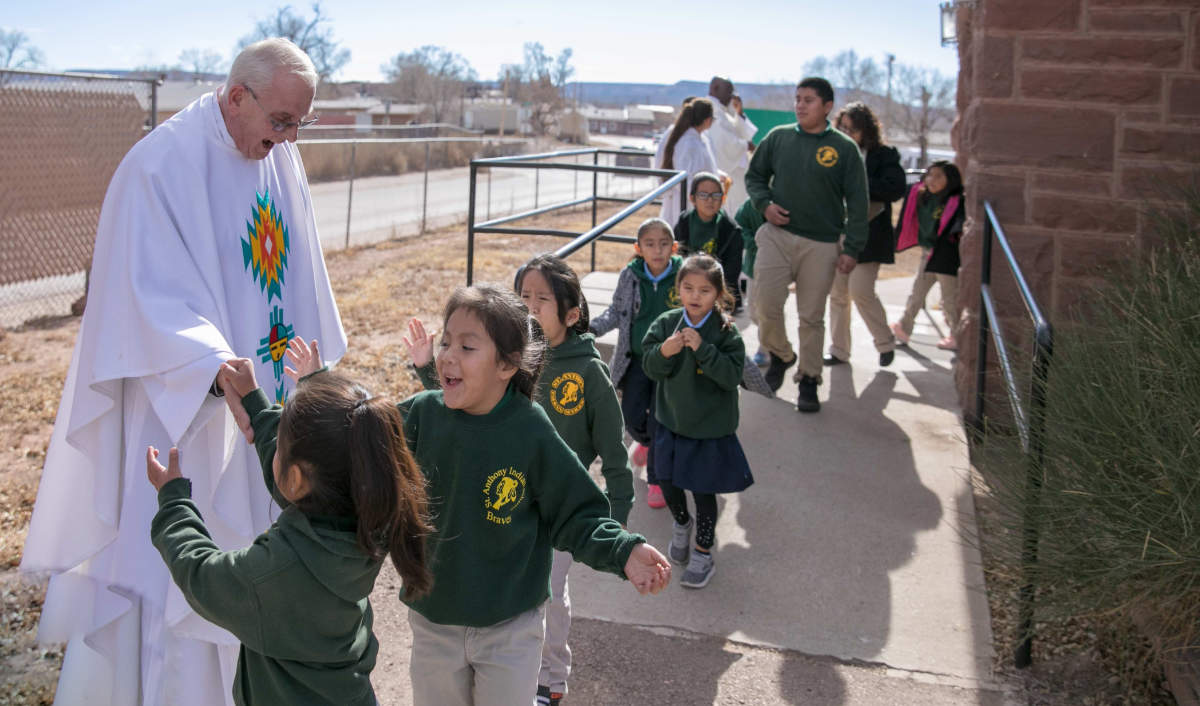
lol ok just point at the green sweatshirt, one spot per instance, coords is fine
(576, 393)
(750, 219)
(504, 489)
(702, 234)
(697, 393)
(576, 380)
(297, 598)
(656, 297)
(820, 179)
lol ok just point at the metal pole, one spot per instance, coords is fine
(489, 195)
(425, 190)
(471, 229)
(576, 196)
(1033, 489)
(350, 194)
(154, 104)
(985, 280)
(537, 181)
(595, 185)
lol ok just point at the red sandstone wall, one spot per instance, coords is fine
(1072, 116)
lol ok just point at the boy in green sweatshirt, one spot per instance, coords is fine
(809, 182)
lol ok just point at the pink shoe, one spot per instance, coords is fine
(639, 455)
(948, 344)
(898, 332)
(654, 497)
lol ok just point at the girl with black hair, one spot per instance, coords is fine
(688, 150)
(932, 217)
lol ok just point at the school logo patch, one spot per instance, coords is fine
(265, 250)
(826, 156)
(710, 246)
(502, 494)
(673, 300)
(566, 394)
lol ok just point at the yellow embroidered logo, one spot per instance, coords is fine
(826, 156)
(566, 394)
(502, 493)
(710, 247)
(673, 300)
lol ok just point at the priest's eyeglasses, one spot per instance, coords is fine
(276, 125)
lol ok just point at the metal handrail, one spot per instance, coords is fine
(1031, 426)
(598, 232)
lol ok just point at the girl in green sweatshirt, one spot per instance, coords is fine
(336, 461)
(696, 356)
(575, 391)
(506, 489)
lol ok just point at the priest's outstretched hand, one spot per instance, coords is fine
(236, 378)
(158, 475)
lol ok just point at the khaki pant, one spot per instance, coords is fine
(455, 665)
(921, 286)
(785, 258)
(556, 653)
(859, 287)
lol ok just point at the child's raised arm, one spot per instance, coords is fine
(305, 356)
(420, 348)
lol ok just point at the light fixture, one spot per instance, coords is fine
(949, 19)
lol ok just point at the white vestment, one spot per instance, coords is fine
(729, 136)
(693, 155)
(201, 255)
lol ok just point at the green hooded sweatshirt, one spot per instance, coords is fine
(297, 598)
(578, 396)
(656, 297)
(697, 392)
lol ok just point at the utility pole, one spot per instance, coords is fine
(887, 106)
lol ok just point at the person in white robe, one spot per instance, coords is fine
(688, 149)
(730, 137)
(206, 250)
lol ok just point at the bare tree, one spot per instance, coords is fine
(923, 98)
(313, 35)
(848, 70)
(432, 75)
(16, 52)
(201, 62)
(539, 82)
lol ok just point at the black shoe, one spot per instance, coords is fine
(807, 400)
(834, 360)
(544, 696)
(775, 371)
(885, 359)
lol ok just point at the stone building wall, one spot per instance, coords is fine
(1073, 117)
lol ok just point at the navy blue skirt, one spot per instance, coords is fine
(701, 465)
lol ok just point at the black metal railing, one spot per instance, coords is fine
(1030, 419)
(599, 231)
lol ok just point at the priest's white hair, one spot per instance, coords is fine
(256, 65)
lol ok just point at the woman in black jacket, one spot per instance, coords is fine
(885, 184)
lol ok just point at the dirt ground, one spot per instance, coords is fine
(377, 289)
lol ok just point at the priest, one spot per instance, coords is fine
(206, 250)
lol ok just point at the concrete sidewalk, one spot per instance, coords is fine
(854, 541)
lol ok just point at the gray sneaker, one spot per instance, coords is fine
(699, 571)
(681, 543)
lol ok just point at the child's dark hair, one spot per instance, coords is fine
(650, 224)
(507, 323)
(954, 184)
(693, 115)
(350, 447)
(822, 87)
(860, 116)
(704, 176)
(708, 266)
(563, 281)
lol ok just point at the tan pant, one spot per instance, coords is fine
(556, 653)
(921, 286)
(455, 665)
(859, 287)
(785, 258)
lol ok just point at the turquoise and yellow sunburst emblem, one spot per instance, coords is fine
(273, 347)
(265, 252)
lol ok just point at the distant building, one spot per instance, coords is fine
(495, 117)
(630, 120)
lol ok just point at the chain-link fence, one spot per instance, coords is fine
(61, 137)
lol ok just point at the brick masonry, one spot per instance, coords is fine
(1074, 115)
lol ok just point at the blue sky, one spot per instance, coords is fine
(652, 42)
